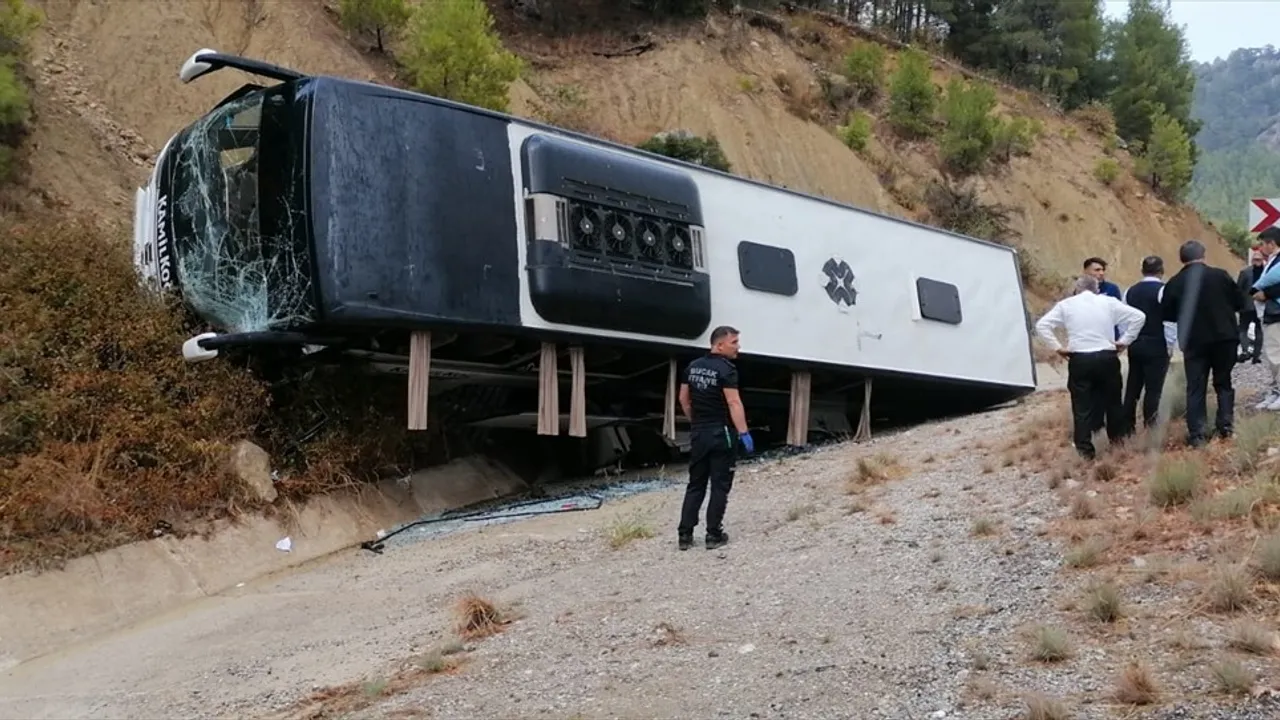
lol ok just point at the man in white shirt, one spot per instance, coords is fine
(1093, 358)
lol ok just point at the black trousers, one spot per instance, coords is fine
(1094, 381)
(712, 455)
(1147, 370)
(1200, 360)
(1253, 350)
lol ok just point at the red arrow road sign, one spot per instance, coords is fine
(1270, 214)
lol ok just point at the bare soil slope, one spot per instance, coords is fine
(720, 78)
(108, 97)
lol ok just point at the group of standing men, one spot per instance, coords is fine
(1201, 309)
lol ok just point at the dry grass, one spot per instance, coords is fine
(1050, 644)
(874, 470)
(1230, 588)
(354, 697)
(1086, 554)
(1103, 603)
(106, 434)
(1136, 685)
(1083, 507)
(1268, 557)
(478, 617)
(1043, 707)
(1252, 435)
(985, 527)
(1232, 677)
(1176, 480)
(623, 530)
(1251, 637)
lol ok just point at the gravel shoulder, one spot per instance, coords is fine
(884, 603)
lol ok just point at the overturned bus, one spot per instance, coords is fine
(321, 219)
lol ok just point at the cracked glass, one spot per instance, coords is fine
(242, 262)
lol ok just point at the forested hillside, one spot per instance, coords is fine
(1237, 100)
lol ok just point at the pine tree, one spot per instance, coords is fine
(1168, 157)
(1153, 73)
(374, 17)
(912, 97)
(452, 52)
(971, 129)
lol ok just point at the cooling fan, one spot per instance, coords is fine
(649, 241)
(679, 248)
(586, 228)
(620, 233)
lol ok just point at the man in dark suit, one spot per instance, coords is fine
(1249, 316)
(1203, 300)
(1150, 352)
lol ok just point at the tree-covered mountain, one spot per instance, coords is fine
(1237, 101)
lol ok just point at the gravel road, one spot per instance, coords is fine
(881, 604)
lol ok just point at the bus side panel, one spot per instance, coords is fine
(414, 223)
(812, 281)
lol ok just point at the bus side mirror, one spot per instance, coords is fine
(194, 67)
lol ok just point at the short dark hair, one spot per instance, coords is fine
(1271, 235)
(1093, 260)
(1191, 251)
(722, 332)
(1152, 265)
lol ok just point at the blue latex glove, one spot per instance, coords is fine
(747, 442)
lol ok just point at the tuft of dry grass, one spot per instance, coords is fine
(1086, 554)
(622, 530)
(1268, 557)
(984, 527)
(478, 617)
(1230, 588)
(1136, 685)
(1050, 644)
(874, 470)
(1102, 602)
(1105, 471)
(1083, 507)
(1232, 677)
(1043, 707)
(1251, 436)
(1251, 637)
(1176, 480)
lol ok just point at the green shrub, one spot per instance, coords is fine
(856, 134)
(452, 52)
(378, 18)
(913, 99)
(970, 132)
(683, 145)
(864, 68)
(1106, 170)
(1016, 136)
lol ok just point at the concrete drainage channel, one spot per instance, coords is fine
(572, 496)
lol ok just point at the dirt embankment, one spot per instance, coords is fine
(722, 77)
(108, 97)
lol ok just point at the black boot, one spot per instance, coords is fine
(686, 541)
(716, 539)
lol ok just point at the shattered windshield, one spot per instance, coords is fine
(238, 256)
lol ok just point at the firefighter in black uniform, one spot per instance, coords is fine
(709, 398)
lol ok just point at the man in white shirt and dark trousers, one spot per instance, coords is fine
(1151, 351)
(1093, 358)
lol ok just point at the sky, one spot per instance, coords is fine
(1214, 28)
